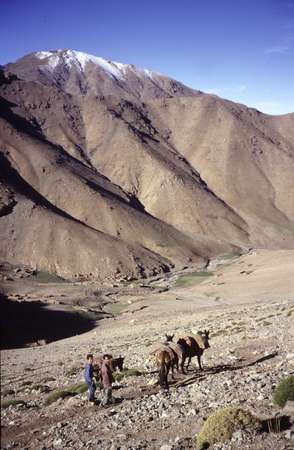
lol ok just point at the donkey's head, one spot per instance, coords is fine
(118, 363)
(169, 337)
(205, 338)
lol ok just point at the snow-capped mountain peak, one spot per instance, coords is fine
(80, 60)
(79, 73)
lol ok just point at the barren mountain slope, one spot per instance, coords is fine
(87, 196)
(35, 231)
(188, 174)
(120, 142)
(244, 156)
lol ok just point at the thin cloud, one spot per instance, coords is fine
(283, 48)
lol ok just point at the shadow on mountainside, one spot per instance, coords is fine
(26, 323)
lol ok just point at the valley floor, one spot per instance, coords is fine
(246, 302)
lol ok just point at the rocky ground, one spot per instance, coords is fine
(251, 350)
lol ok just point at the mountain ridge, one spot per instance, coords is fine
(171, 154)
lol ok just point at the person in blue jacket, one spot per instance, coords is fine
(89, 378)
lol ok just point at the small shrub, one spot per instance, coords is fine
(284, 391)
(70, 391)
(12, 402)
(118, 376)
(56, 395)
(221, 425)
(78, 388)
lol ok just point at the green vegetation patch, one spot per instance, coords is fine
(115, 308)
(220, 426)
(12, 402)
(69, 391)
(46, 277)
(229, 256)
(118, 376)
(284, 391)
(193, 278)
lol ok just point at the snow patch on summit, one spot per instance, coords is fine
(80, 60)
(52, 59)
(84, 58)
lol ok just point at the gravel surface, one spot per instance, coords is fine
(251, 351)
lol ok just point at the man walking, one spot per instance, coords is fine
(107, 380)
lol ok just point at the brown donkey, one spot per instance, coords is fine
(116, 363)
(178, 349)
(194, 345)
(166, 359)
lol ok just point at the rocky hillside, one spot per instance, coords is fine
(110, 171)
(246, 303)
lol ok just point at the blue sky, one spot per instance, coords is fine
(239, 49)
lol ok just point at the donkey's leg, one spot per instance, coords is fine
(189, 361)
(183, 360)
(199, 362)
(166, 378)
(162, 375)
(173, 369)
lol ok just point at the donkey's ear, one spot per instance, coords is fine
(172, 336)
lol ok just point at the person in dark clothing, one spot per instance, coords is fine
(107, 380)
(89, 379)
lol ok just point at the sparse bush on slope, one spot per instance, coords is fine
(221, 425)
(69, 391)
(11, 402)
(284, 391)
(118, 376)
